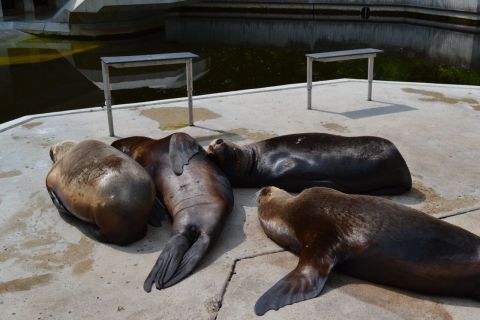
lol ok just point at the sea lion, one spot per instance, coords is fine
(196, 194)
(99, 185)
(366, 237)
(294, 162)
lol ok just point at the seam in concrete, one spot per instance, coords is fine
(458, 212)
(232, 272)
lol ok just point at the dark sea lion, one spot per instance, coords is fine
(99, 185)
(369, 165)
(194, 191)
(367, 237)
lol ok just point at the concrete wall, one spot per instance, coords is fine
(457, 5)
(447, 46)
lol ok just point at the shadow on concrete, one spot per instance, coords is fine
(414, 196)
(149, 243)
(372, 112)
(340, 281)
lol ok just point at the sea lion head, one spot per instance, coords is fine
(231, 157)
(58, 150)
(269, 194)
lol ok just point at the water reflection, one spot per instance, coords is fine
(456, 48)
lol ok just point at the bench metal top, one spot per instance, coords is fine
(149, 57)
(344, 53)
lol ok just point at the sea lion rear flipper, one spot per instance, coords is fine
(189, 260)
(182, 149)
(176, 261)
(305, 282)
(168, 260)
(159, 213)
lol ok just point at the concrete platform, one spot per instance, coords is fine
(50, 270)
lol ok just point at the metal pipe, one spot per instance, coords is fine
(370, 77)
(190, 91)
(108, 97)
(309, 83)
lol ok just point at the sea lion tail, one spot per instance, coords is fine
(177, 261)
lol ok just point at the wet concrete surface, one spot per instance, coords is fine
(51, 270)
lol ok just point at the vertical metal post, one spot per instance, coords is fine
(1, 10)
(108, 97)
(190, 91)
(309, 83)
(370, 76)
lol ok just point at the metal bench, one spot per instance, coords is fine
(338, 56)
(142, 61)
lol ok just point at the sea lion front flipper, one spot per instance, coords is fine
(305, 282)
(159, 213)
(182, 149)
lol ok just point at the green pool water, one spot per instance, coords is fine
(40, 75)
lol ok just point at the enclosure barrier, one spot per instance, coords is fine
(338, 56)
(143, 61)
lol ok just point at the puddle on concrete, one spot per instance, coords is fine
(83, 266)
(42, 248)
(434, 96)
(24, 284)
(252, 135)
(171, 118)
(31, 125)
(9, 174)
(435, 203)
(335, 127)
(403, 305)
(428, 200)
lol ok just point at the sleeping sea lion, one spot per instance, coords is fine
(369, 165)
(99, 185)
(196, 194)
(367, 237)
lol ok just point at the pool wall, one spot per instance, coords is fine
(472, 6)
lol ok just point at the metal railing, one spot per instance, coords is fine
(142, 61)
(338, 56)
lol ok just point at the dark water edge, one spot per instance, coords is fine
(46, 75)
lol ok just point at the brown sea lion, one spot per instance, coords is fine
(196, 194)
(367, 237)
(99, 185)
(369, 165)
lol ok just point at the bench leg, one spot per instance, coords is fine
(309, 83)
(370, 77)
(108, 97)
(189, 91)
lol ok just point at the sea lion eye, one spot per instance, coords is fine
(219, 141)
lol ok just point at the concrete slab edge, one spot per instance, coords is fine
(22, 120)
